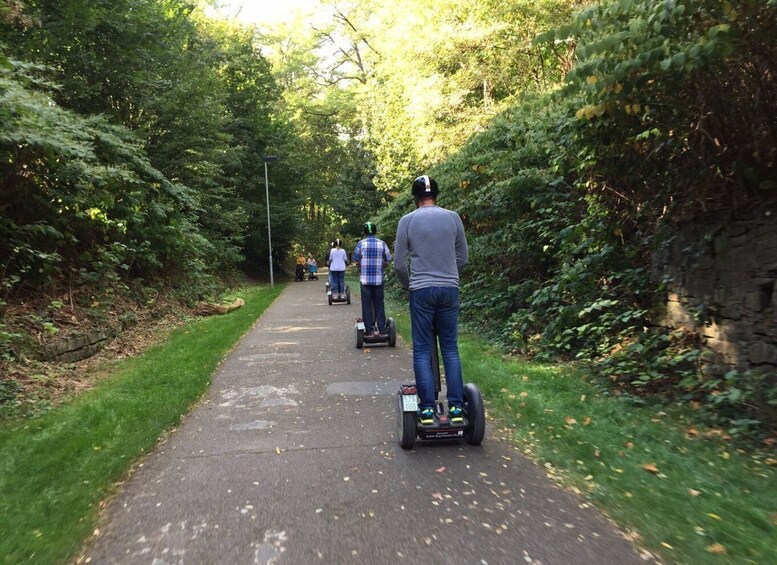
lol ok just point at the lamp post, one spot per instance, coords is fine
(268, 159)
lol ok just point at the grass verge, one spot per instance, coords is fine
(55, 469)
(679, 490)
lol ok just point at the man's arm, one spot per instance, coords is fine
(386, 255)
(401, 255)
(357, 251)
(462, 251)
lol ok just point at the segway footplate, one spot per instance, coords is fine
(442, 428)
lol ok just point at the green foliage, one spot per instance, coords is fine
(744, 401)
(79, 198)
(561, 194)
(88, 201)
(678, 83)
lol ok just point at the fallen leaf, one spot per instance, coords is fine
(632, 536)
(586, 421)
(650, 468)
(570, 420)
(694, 492)
(714, 516)
(725, 455)
(440, 470)
(278, 450)
(666, 545)
(716, 548)
(524, 394)
(629, 444)
(437, 495)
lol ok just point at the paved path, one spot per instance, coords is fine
(292, 458)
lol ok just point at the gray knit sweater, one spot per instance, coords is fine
(432, 240)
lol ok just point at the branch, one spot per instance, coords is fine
(321, 114)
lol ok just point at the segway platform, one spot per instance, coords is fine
(472, 429)
(343, 298)
(389, 338)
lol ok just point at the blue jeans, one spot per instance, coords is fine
(372, 301)
(338, 281)
(436, 307)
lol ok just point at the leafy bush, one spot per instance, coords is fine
(745, 401)
(79, 198)
(664, 113)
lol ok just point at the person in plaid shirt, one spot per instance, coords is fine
(372, 255)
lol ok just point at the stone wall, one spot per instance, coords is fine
(78, 347)
(722, 281)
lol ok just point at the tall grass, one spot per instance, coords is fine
(55, 469)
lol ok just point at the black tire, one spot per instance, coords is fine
(330, 299)
(406, 425)
(347, 295)
(359, 339)
(475, 412)
(392, 332)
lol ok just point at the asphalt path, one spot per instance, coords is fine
(292, 458)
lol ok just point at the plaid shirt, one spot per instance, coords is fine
(371, 253)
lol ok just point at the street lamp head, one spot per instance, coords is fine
(270, 158)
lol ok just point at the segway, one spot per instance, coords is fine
(389, 338)
(472, 429)
(335, 299)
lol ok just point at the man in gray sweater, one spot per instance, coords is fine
(431, 239)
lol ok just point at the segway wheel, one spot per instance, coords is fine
(347, 295)
(330, 299)
(392, 332)
(475, 413)
(406, 425)
(359, 339)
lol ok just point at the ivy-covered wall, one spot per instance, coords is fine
(722, 283)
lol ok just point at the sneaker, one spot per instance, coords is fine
(426, 416)
(456, 414)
